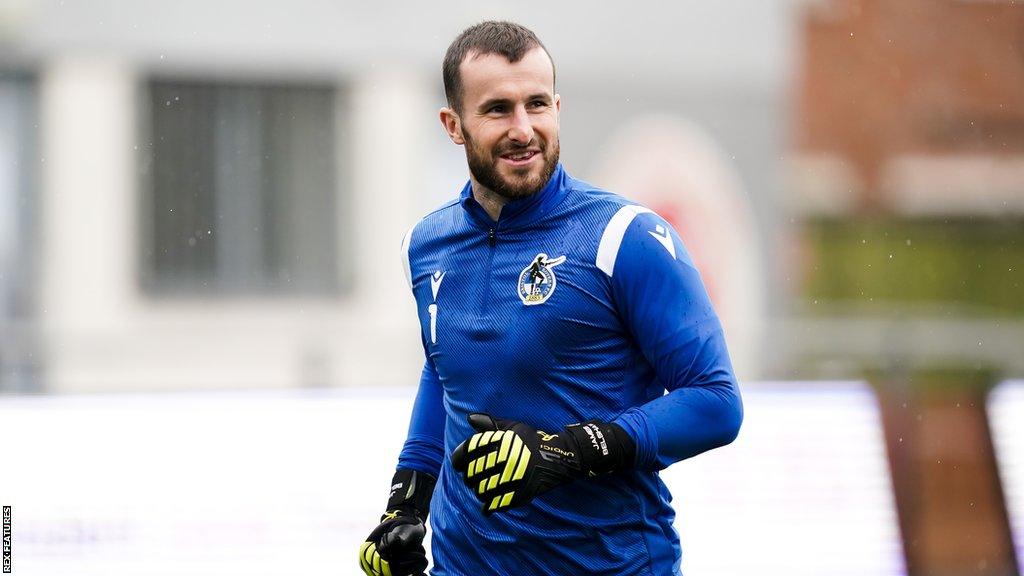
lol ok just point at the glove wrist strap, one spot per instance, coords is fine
(411, 491)
(602, 446)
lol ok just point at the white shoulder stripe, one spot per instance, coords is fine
(611, 239)
(405, 256)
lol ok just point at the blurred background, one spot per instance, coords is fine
(202, 304)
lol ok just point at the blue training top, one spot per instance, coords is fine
(576, 304)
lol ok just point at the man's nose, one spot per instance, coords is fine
(521, 130)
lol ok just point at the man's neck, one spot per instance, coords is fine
(491, 201)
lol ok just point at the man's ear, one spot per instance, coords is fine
(452, 125)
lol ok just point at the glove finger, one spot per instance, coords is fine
(460, 458)
(370, 560)
(406, 564)
(402, 538)
(482, 422)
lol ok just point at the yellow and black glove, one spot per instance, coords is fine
(395, 547)
(507, 463)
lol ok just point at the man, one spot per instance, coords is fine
(554, 317)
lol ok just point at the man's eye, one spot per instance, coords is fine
(538, 104)
(496, 110)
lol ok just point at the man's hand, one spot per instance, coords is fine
(395, 547)
(508, 463)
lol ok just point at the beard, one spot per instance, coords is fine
(483, 165)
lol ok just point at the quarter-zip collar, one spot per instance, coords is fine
(519, 212)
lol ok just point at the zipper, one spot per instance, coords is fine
(492, 241)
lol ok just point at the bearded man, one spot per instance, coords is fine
(571, 351)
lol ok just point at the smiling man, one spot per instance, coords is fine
(554, 316)
(506, 115)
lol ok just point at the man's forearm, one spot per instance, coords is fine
(683, 423)
(424, 445)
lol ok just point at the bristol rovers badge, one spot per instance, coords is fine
(537, 281)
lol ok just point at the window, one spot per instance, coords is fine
(240, 193)
(18, 248)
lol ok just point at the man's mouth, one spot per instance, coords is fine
(520, 157)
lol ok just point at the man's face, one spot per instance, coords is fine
(508, 122)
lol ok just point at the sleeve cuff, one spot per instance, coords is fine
(639, 427)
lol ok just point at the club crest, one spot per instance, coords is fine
(537, 281)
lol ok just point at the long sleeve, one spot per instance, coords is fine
(424, 444)
(659, 295)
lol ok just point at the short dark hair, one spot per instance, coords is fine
(509, 39)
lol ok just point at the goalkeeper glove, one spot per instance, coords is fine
(395, 547)
(507, 463)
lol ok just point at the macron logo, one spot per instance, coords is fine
(662, 236)
(435, 282)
